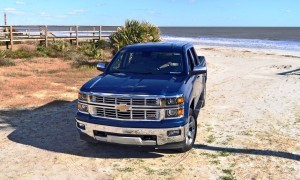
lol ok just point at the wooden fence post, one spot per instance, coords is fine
(70, 29)
(46, 36)
(100, 32)
(6, 37)
(76, 36)
(11, 37)
(94, 29)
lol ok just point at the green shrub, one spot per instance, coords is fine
(91, 50)
(102, 44)
(7, 62)
(22, 52)
(61, 49)
(95, 49)
(60, 46)
(65, 50)
(54, 49)
(42, 51)
(2, 54)
(78, 60)
(134, 32)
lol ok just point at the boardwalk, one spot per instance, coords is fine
(74, 33)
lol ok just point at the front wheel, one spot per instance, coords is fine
(191, 132)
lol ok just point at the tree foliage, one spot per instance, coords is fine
(134, 32)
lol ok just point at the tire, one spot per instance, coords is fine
(203, 96)
(191, 133)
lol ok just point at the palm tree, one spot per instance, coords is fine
(133, 32)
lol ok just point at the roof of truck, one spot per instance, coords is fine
(159, 45)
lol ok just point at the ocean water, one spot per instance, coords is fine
(246, 37)
(282, 38)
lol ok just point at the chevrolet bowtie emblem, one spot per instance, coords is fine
(123, 107)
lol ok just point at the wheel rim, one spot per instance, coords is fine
(191, 131)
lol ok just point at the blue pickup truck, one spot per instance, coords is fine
(150, 94)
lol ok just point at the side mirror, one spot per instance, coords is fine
(199, 70)
(101, 66)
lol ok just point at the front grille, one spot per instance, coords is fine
(126, 115)
(138, 108)
(127, 101)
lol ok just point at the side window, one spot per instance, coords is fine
(196, 59)
(190, 60)
(118, 63)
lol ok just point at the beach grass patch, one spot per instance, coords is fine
(7, 62)
(211, 138)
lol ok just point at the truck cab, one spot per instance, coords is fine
(150, 94)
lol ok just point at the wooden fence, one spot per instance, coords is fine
(74, 33)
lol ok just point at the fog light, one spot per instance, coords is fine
(174, 133)
(80, 126)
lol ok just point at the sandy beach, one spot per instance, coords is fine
(249, 128)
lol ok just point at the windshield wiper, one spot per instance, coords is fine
(115, 72)
(123, 72)
(144, 72)
(136, 72)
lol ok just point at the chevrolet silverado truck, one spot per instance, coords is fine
(150, 94)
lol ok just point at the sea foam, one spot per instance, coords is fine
(244, 43)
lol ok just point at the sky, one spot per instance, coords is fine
(275, 13)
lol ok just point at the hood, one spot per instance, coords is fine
(135, 84)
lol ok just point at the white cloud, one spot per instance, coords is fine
(9, 9)
(61, 17)
(20, 3)
(78, 11)
(12, 11)
(47, 16)
(44, 14)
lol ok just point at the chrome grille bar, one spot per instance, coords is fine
(127, 101)
(141, 108)
(128, 115)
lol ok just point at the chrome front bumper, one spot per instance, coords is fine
(130, 136)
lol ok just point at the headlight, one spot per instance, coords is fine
(174, 101)
(172, 113)
(82, 97)
(83, 107)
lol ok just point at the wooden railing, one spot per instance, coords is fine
(11, 34)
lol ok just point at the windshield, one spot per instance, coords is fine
(147, 62)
